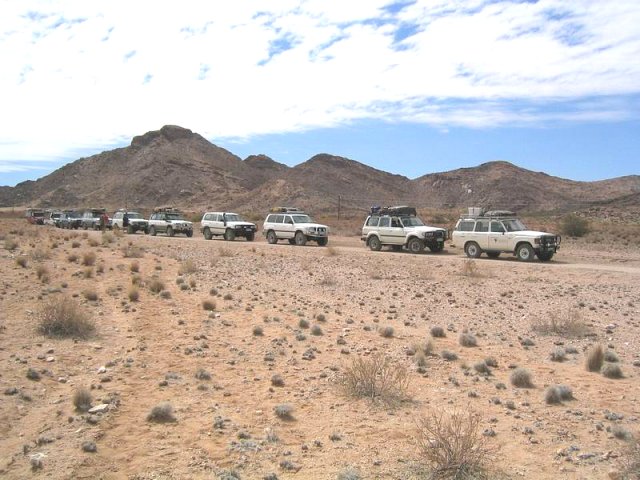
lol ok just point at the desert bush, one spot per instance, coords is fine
(387, 332)
(90, 295)
(491, 362)
(612, 370)
(187, 267)
(449, 356)
(321, 317)
(10, 244)
(39, 254)
(202, 374)
(467, 340)
(208, 305)
(93, 242)
(257, 331)
(156, 285)
(349, 473)
(75, 244)
(166, 294)
(438, 332)
(161, 413)
(284, 411)
(107, 238)
(21, 262)
(133, 294)
(73, 258)
(132, 251)
(316, 330)
(227, 296)
(376, 378)
(134, 267)
(574, 226)
(470, 269)
(41, 271)
(521, 378)
(82, 399)
(557, 393)
(595, 358)
(611, 356)
(225, 252)
(631, 461)
(302, 323)
(88, 259)
(570, 324)
(277, 380)
(453, 445)
(87, 272)
(558, 354)
(63, 317)
(482, 368)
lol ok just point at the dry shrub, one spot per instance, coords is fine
(90, 295)
(470, 269)
(21, 262)
(93, 242)
(10, 244)
(557, 393)
(521, 378)
(453, 445)
(377, 378)
(87, 272)
(82, 399)
(331, 251)
(225, 252)
(631, 461)
(187, 267)
(132, 251)
(208, 305)
(284, 411)
(43, 273)
(438, 332)
(575, 226)
(595, 358)
(88, 259)
(134, 293)
(73, 258)
(327, 281)
(134, 267)
(612, 370)
(467, 340)
(161, 413)
(387, 332)
(156, 285)
(39, 254)
(63, 317)
(107, 238)
(570, 324)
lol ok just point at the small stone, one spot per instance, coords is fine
(11, 391)
(89, 446)
(33, 374)
(102, 370)
(102, 408)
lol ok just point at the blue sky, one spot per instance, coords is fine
(410, 87)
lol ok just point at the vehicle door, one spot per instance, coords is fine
(481, 234)
(288, 227)
(498, 240)
(217, 225)
(385, 231)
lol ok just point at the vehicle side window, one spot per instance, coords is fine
(482, 226)
(288, 219)
(466, 226)
(373, 221)
(395, 223)
(277, 218)
(497, 227)
(384, 222)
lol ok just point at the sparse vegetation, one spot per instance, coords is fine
(438, 332)
(316, 330)
(387, 332)
(63, 317)
(557, 393)
(156, 285)
(88, 259)
(574, 226)
(595, 358)
(470, 269)
(161, 413)
(187, 267)
(132, 251)
(449, 356)
(134, 267)
(467, 340)
(257, 331)
(82, 399)
(452, 445)
(612, 370)
(569, 324)
(376, 378)
(558, 354)
(90, 295)
(134, 293)
(521, 378)
(10, 244)
(284, 411)
(208, 305)
(277, 380)
(21, 262)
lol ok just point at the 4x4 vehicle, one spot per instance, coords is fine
(35, 216)
(401, 227)
(51, 218)
(226, 224)
(69, 219)
(135, 221)
(91, 218)
(498, 231)
(295, 226)
(170, 221)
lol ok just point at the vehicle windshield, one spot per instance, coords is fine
(513, 225)
(412, 222)
(174, 216)
(301, 219)
(133, 215)
(233, 217)
(55, 215)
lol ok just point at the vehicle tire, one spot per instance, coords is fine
(152, 231)
(229, 235)
(525, 253)
(292, 241)
(323, 241)
(374, 244)
(545, 256)
(472, 249)
(272, 238)
(189, 233)
(170, 232)
(130, 229)
(207, 233)
(301, 239)
(493, 254)
(250, 237)
(437, 248)
(415, 245)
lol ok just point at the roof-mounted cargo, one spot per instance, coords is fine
(400, 210)
(478, 212)
(286, 210)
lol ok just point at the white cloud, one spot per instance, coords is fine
(78, 74)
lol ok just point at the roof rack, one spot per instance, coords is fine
(166, 209)
(286, 210)
(400, 210)
(478, 212)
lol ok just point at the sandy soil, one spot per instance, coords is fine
(149, 351)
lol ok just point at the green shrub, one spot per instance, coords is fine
(574, 226)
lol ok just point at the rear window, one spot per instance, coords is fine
(466, 226)
(482, 226)
(372, 221)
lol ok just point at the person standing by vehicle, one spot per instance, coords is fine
(125, 221)
(103, 221)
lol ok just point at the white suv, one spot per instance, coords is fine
(226, 224)
(400, 227)
(170, 221)
(495, 232)
(294, 225)
(136, 222)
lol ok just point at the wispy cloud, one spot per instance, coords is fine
(87, 73)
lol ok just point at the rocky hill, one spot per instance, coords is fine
(175, 166)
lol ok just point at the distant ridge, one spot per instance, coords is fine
(176, 166)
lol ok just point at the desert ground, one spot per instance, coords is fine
(244, 347)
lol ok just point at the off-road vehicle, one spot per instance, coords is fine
(501, 231)
(226, 224)
(35, 216)
(91, 218)
(170, 221)
(136, 222)
(295, 226)
(400, 227)
(51, 217)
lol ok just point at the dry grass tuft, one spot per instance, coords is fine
(521, 378)
(10, 244)
(88, 259)
(453, 445)
(82, 399)
(156, 285)
(470, 269)
(595, 358)
(467, 340)
(612, 370)
(376, 378)
(90, 295)
(161, 413)
(21, 262)
(62, 317)
(557, 393)
(570, 324)
(133, 294)
(132, 251)
(187, 267)
(209, 305)
(134, 267)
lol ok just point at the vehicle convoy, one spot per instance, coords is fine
(170, 221)
(295, 226)
(226, 224)
(51, 217)
(135, 222)
(400, 227)
(500, 231)
(35, 216)
(91, 218)
(69, 219)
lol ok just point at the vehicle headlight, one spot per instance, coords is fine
(428, 234)
(537, 241)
